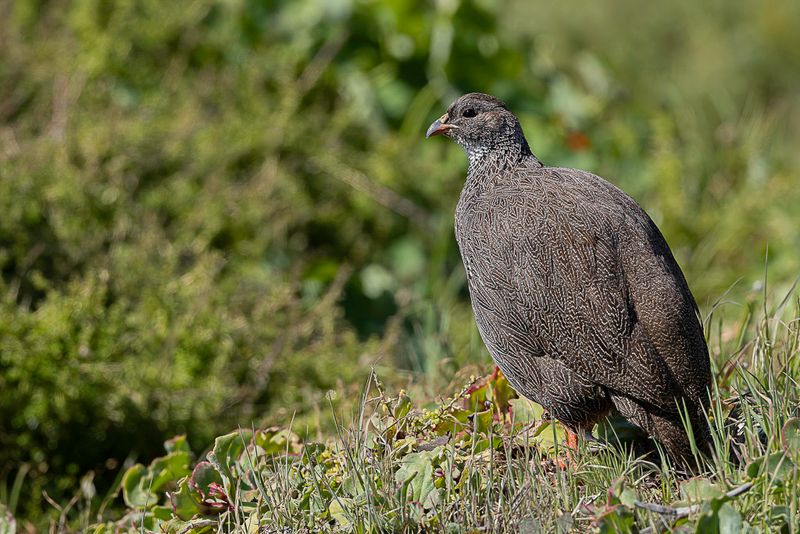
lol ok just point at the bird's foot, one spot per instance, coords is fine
(559, 463)
(564, 464)
(567, 461)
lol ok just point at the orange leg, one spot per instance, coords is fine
(572, 447)
(572, 440)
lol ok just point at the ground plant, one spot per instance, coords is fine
(484, 459)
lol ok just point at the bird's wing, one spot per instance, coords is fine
(552, 274)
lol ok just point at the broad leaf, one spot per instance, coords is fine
(776, 465)
(185, 501)
(416, 474)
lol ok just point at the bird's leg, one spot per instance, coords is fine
(572, 447)
(572, 441)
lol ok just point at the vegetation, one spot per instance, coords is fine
(485, 460)
(221, 215)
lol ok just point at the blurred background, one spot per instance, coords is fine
(218, 213)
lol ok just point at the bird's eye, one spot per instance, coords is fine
(469, 112)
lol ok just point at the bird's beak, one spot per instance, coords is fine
(439, 126)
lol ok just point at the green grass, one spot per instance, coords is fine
(474, 462)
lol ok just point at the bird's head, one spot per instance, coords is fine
(481, 124)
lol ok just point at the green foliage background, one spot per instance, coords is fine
(214, 212)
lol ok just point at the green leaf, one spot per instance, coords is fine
(185, 501)
(776, 465)
(452, 422)
(313, 450)
(500, 391)
(203, 475)
(416, 474)
(708, 522)
(525, 411)
(174, 526)
(699, 489)
(730, 520)
(338, 512)
(226, 452)
(136, 487)
(402, 406)
(277, 441)
(616, 520)
(779, 516)
(620, 493)
(352, 485)
(169, 468)
(790, 437)
(141, 521)
(164, 513)
(179, 526)
(140, 484)
(548, 435)
(482, 421)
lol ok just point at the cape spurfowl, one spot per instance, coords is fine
(575, 291)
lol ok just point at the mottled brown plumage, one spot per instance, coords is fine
(575, 291)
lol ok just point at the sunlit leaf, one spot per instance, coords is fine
(136, 487)
(699, 489)
(338, 511)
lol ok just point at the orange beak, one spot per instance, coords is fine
(439, 126)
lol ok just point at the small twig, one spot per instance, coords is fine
(735, 492)
(684, 511)
(62, 511)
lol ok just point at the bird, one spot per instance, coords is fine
(576, 294)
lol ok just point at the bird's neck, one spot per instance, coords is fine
(485, 162)
(486, 167)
